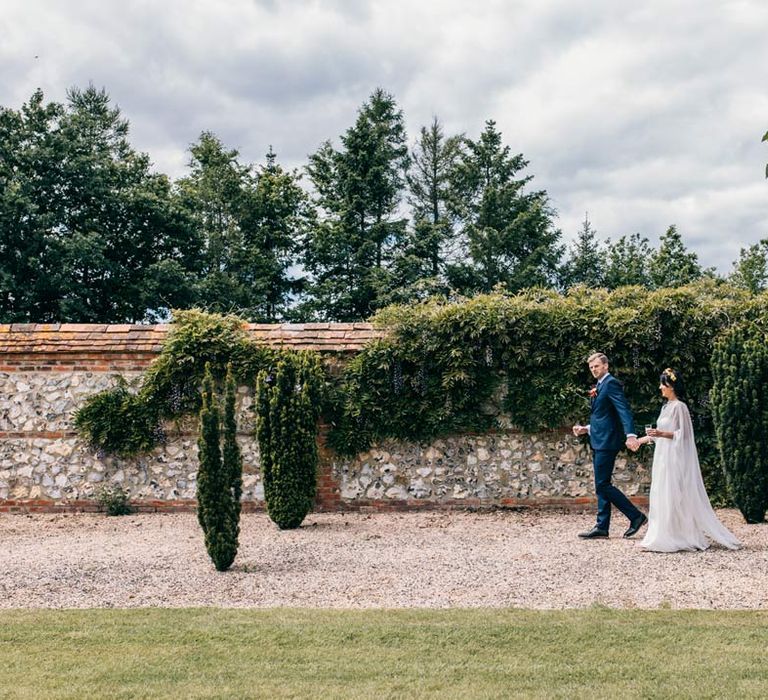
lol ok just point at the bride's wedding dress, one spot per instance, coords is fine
(680, 516)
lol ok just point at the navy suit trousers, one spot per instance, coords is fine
(607, 493)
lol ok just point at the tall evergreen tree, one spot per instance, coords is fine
(219, 477)
(672, 265)
(217, 195)
(418, 269)
(509, 232)
(429, 184)
(627, 262)
(275, 224)
(750, 271)
(586, 261)
(740, 412)
(358, 190)
(288, 402)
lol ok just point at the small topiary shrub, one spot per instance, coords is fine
(114, 500)
(288, 404)
(219, 480)
(740, 412)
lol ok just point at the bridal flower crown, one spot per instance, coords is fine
(671, 374)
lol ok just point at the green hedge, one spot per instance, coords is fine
(740, 408)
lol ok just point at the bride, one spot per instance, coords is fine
(680, 516)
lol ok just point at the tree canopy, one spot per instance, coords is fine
(90, 232)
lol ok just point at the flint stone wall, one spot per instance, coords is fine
(500, 469)
(44, 465)
(41, 457)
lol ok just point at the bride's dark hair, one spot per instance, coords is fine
(671, 378)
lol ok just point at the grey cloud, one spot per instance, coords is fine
(645, 114)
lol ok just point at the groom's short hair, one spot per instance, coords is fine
(598, 356)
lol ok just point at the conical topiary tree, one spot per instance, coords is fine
(740, 414)
(219, 481)
(233, 461)
(287, 410)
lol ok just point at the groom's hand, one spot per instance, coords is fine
(633, 443)
(579, 430)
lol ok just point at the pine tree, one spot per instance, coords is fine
(350, 247)
(418, 266)
(429, 184)
(509, 233)
(586, 262)
(672, 265)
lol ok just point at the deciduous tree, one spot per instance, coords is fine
(750, 271)
(89, 232)
(627, 262)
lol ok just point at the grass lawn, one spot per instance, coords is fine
(288, 653)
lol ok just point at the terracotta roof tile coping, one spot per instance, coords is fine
(25, 338)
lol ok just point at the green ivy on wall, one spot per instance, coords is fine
(456, 367)
(453, 367)
(126, 423)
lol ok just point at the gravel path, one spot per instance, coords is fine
(429, 559)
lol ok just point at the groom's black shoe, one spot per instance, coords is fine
(593, 534)
(635, 525)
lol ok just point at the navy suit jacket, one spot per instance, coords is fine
(610, 420)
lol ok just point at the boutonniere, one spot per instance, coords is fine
(593, 392)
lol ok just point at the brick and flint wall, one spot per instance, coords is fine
(47, 371)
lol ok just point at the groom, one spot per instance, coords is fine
(609, 421)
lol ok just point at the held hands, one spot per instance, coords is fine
(579, 430)
(633, 443)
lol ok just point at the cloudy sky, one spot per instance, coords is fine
(643, 114)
